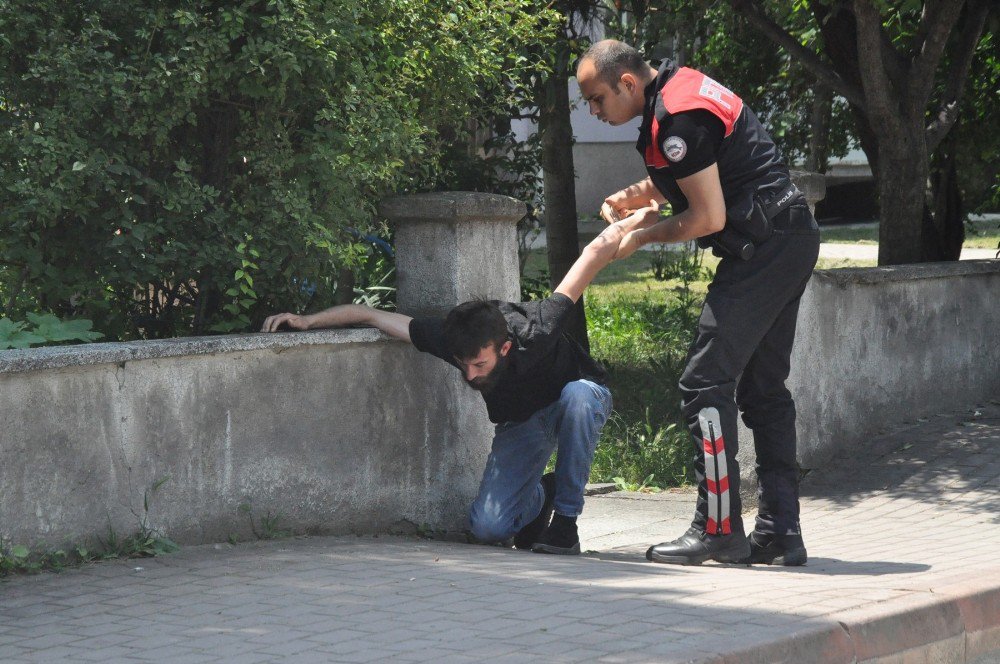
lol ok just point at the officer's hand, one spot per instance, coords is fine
(614, 208)
(292, 321)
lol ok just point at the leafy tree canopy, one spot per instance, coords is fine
(181, 166)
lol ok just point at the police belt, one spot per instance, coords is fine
(744, 231)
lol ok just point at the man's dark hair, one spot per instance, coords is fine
(473, 325)
(613, 58)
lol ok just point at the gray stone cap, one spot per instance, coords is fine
(812, 185)
(58, 357)
(847, 276)
(453, 206)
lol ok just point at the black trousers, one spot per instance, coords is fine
(740, 358)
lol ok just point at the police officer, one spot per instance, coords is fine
(708, 155)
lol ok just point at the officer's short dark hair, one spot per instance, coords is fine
(471, 326)
(613, 58)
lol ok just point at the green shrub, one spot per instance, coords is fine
(171, 168)
(44, 329)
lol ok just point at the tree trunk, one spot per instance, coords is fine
(944, 227)
(902, 187)
(819, 135)
(558, 180)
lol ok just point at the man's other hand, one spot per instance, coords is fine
(291, 321)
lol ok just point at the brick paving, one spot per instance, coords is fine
(903, 568)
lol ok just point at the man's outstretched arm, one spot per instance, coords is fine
(602, 250)
(395, 325)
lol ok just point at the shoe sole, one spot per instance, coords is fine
(794, 558)
(558, 550)
(736, 554)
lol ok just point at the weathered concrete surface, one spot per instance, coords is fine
(461, 246)
(902, 569)
(338, 433)
(880, 346)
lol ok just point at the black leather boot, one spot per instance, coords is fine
(696, 546)
(528, 535)
(771, 549)
(560, 537)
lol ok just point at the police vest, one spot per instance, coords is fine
(748, 160)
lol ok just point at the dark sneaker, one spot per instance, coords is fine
(529, 534)
(695, 547)
(560, 537)
(770, 549)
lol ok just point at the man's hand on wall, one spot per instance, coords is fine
(291, 321)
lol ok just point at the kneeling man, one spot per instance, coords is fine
(542, 390)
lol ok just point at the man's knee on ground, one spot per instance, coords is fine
(490, 528)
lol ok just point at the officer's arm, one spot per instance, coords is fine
(626, 201)
(393, 324)
(706, 214)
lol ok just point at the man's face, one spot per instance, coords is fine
(484, 370)
(614, 105)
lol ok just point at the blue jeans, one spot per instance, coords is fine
(510, 494)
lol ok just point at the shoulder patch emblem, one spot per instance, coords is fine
(675, 148)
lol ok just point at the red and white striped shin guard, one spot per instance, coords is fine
(716, 473)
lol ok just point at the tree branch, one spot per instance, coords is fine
(958, 73)
(927, 54)
(874, 79)
(826, 75)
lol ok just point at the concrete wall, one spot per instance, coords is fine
(337, 431)
(603, 169)
(880, 346)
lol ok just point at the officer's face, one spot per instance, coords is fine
(614, 105)
(483, 371)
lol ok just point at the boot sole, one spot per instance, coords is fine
(558, 550)
(795, 558)
(736, 554)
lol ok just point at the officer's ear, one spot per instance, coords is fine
(629, 82)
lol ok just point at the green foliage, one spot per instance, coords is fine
(685, 263)
(267, 526)
(646, 486)
(713, 38)
(145, 542)
(977, 152)
(643, 342)
(44, 329)
(182, 167)
(535, 287)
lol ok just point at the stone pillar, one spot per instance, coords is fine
(813, 185)
(452, 247)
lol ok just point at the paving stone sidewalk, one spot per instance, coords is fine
(903, 567)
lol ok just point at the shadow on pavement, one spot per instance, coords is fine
(951, 460)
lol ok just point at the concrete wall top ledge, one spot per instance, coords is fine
(59, 357)
(451, 205)
(848, 276)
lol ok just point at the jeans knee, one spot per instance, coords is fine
(579, 399)
(489, 528)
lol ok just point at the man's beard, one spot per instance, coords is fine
(485, 384)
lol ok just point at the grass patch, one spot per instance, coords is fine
(849, 234)
(640, 329)
(982, 234)
(979, 234)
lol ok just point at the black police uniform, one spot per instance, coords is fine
(768, 250)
